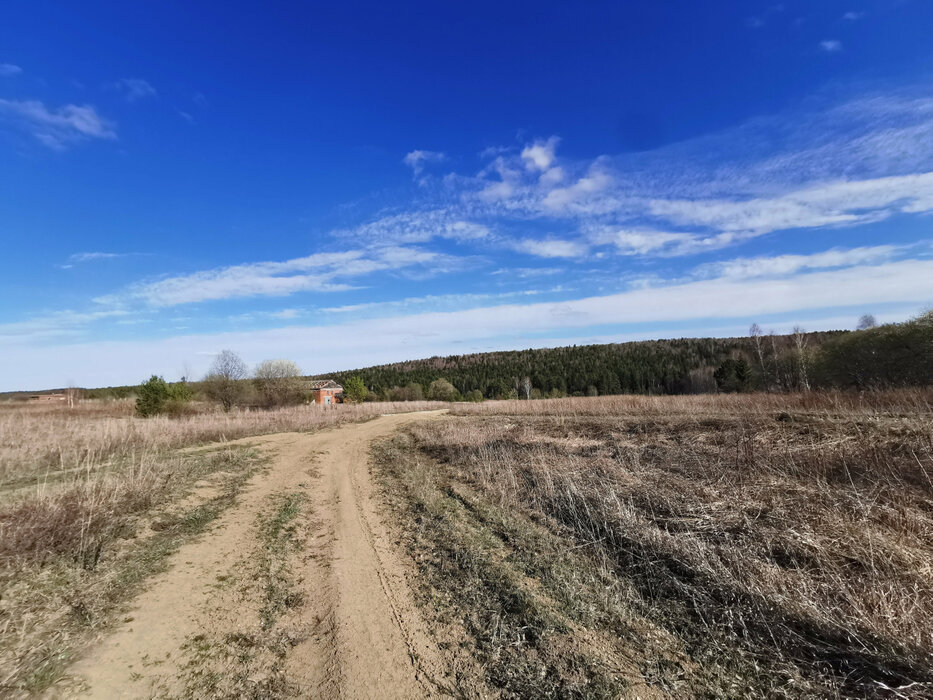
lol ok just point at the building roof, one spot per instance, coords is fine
(324, 384)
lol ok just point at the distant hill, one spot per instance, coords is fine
(685, 365)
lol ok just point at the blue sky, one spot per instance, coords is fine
(365, 183)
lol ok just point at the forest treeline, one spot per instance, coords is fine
(899, 354)
(873, 357)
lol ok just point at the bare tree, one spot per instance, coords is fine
(775, 364)
(526, 387)
(278, 382)
(865, 322)
(223, 382)
(800, 342)
(755, 332)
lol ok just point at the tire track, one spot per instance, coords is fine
(361, 632)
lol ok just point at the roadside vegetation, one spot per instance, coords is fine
(73, 557)
(722, 546)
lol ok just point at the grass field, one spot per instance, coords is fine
(755, 545)
(703, 546)
(94, 500)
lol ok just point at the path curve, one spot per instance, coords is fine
(359, 631)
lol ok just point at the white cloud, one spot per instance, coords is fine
(416, 160)
(528, 272)
(60, 127)
(386, 339)
(825, 204)
(852, 16)
(432, 300)
(540, 154)
(54, 325)
(89, 257)
(594, 182)
(831, 45)
(551, 248)
(415, 227)
(647, 242)
(317, 273)
(8, 70)
(134, 89)
(504, 188)
(782, 265)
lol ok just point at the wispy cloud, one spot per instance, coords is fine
(856, 163)
(59, 324)
(650, 242)
(551, 248)
(801, 298)
(8, 70)
(831, 45)
(825, 204)
(417, 160)
(134, 89)
(852, 16)
(89, 257)
(415, 227)
(321, 272)
(57, 128)
(784, 265)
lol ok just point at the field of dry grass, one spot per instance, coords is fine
(39, 444)
(630, 546)
(702, 546)
(94, 499)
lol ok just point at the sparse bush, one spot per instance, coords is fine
(278, 383)
(157, 396)
(411, 392)
(442, 390)
(224, 380)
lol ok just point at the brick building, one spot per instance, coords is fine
(326, 392)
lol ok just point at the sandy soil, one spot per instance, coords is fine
(357, 633)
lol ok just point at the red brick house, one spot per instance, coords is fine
(326, 392)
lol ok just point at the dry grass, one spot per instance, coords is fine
(785, 541)
(42, 443)
(93, 500)
(906, 402)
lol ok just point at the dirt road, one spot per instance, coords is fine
(322, 610)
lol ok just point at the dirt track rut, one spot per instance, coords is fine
(357, 633)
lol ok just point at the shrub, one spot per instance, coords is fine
(278, 383)
(354, 391)
(442, 390)
(152, 396)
